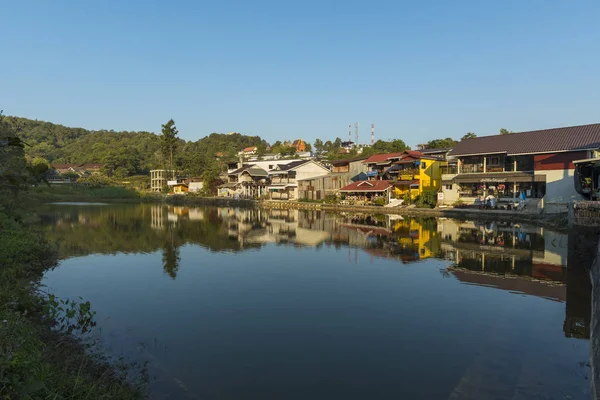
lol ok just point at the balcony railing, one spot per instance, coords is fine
(282, 181)
(449, 170)
(471, 168)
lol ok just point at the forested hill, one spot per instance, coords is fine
(129, 152)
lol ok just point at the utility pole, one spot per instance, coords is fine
(356, 131)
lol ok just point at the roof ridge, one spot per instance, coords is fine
(535, 130)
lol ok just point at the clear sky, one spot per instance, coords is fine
(283, 69)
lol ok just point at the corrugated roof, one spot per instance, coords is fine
(541, 141)
(293, 164)
(377, 158)
(256, 171)
(367, 186)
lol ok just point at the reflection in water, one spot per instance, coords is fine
(519, 259)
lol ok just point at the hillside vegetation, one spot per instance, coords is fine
(129, 153)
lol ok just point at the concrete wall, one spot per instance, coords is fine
(450, 195)
(560, 186)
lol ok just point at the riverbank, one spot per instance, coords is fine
(80, 193)
(40, 357)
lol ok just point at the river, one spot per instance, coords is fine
(228, 303)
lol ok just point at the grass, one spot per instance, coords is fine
(38, 360)
(78, 192)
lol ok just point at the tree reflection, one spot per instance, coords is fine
(170, 258)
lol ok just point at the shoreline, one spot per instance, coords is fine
(559, 220)
(556, 220)
(44, 356)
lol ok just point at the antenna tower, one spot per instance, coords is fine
(372, 134)
(349, 133)
(356, 132)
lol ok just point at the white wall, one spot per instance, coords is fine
(195, 186)
(560, 186)
(450, 196)
(308, 171)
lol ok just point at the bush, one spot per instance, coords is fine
(330, 199)
(427, 199)
(380, 201)
(458, 203)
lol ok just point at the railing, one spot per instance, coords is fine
(281, 196)
(449, 170)
(471, 168)
(279, 181)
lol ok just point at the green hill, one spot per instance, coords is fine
(132, 152)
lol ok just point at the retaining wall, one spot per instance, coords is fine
(585, 213)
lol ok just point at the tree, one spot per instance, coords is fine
(393, 146)
(469, 135)
(169, 141)
(504, 131)
(319, 146)
(441, 143)
(307, 147)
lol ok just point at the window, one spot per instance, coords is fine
(423, 165)
(448, 187)
(494, 161)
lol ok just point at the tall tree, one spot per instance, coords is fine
(469, 135)
(168, 140)
(504, 131)
(319, 146)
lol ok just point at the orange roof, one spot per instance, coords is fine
(377, 158)
(367, 186)
(249, 149)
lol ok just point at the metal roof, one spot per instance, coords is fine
(570, 138)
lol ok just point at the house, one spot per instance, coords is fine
(284, 178)
(248, 151)
(195, 184)
(248, 181)
(378, 164)
(179, 188)
(84, 169)
(441, 153)
(365, 192)
(414, 172)
(343, 173)
(536, 164)
(299, 145)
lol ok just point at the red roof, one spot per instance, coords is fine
(249, 149)
(377, 158)
(367, 186)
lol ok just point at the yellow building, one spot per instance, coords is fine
(415, 173)
(180, 188)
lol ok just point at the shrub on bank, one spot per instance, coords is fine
(37, 360)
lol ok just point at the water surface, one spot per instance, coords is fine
(246, 304)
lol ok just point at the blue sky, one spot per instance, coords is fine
(419, 70)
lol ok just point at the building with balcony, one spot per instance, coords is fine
(248, 181)
(343, 172)
(284, 178)
(414, 172)
(537, 165)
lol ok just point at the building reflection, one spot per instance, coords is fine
(518, 258)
